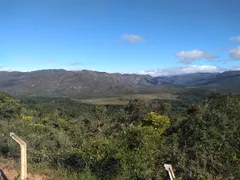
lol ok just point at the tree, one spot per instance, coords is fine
(136, 110)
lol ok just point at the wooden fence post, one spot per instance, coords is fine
(23, 146)
(168, 168)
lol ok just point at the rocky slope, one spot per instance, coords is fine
(58, 82)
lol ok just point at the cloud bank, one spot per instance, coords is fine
(187, 57)
(181, 70)
(2, 68)
(132, 38)
(5, 69)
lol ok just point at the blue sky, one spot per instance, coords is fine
(158, 37)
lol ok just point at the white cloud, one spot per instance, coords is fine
(236, 68)
(181, 70)
(50, 60)
(221, 49)
(132, 38)
(5, 69)
(235, 53)
(75, 63)
(235, 38)
(186, 57)
(2, 68)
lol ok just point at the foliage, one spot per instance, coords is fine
(9, 106)
(158, 122)
(81, 141)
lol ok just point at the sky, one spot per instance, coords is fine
(156, 37)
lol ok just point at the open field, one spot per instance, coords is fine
(121, 100)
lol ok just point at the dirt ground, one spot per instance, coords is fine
(7, 172)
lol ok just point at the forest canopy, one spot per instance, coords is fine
(133, 141)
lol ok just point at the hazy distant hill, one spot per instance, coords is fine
(228, 81)
(72, 83)
(92, 84)
(184, 79)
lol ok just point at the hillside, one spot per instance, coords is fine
(85, 84)
(226, 81)
(74, 83)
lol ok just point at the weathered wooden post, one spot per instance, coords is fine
(168, 168)
(23, 146)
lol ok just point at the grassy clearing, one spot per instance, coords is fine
(11, 170)
(121, 100)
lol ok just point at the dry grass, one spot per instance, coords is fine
(10, 169)
(121, 100)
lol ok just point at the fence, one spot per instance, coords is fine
(23, 148)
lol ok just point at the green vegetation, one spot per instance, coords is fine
(198, 133)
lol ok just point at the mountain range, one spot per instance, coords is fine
(59, 82)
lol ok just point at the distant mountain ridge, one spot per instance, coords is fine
(59, 82)
(183, 79)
